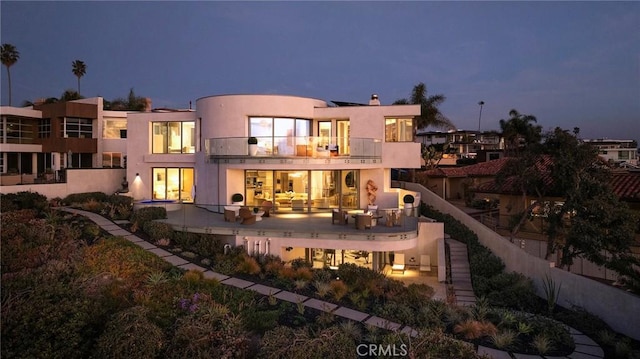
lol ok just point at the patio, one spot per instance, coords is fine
(193, 218)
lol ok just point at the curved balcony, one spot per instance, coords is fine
(290, 147)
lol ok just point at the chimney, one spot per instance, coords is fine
(374, 100)
(147, 104)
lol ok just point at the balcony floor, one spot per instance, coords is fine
(301, 225)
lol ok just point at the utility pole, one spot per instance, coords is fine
(481, 103)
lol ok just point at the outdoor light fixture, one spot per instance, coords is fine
(137, 175)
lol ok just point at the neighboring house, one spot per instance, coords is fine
(455, 182)
(309, 159)
(617, 151)
(466, 144)
(48, 138)
(625, 185)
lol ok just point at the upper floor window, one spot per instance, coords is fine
(44, 128)
(114, 129)
(623, 155)
(279, 132)
(398, 130)
(174, 137)
(78, 127)
(17, 130)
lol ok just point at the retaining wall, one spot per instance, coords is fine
(616, 307)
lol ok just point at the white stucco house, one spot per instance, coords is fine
(310, 159)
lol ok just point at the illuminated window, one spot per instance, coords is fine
(398, 130)
(174, 137)
(114, 129)
(279, 134)
(173, 183)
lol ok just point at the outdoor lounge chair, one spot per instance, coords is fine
(363, 221)
(247, 216)
(425, 263)
(340, 216)
(398, 263)
(266, 207)
(229, 215)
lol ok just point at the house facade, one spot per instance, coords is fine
(304, 156)
(616, 151)
(465, 144)
(39, 143)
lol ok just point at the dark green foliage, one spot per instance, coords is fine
(158, 230)
(204, 244)
(23, 200)
(146, 214)
(302, 343)
(237, 197)
(510, 290)
(130, 334)
(79, 198)
(300, 263)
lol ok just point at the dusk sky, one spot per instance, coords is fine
(570, 64)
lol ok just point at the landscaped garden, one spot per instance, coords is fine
(71, 290)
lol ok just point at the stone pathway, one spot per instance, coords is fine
(461, 277)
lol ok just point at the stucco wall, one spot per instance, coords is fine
(616, 307)
(105, 180)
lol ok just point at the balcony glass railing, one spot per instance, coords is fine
(289, 146)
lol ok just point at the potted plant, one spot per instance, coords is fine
(408, 204)
(253, 146)
(237, 198)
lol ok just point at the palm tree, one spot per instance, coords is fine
(9, 57)
(519, 131)
(79, 69)
(430, 115)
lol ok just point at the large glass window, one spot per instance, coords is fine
(112, 159)
(174, 137)
(296, 190)
(398, 130)
(115, 129)
(78, 127)
(173, 183)
(18, 130)
(279, 135)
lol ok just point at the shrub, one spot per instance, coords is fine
(339, 289)
(130, 334)
(248, 265)
(79, 198)
(147, 214)
(92, 206)
(237, 197)
(473, 329)
(23, 200)
(300, 263)
(542, 344)
(504, 339)
(158, 231)
(436, 344)
(304, 273)
(322, 288)
(511, 290)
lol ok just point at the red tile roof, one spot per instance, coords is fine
(626, 185)
(489, 168)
